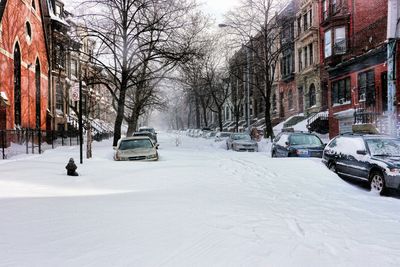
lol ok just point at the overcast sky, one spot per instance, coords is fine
(218, 7)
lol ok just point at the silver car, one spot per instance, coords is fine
(136, 148)
(241, 142)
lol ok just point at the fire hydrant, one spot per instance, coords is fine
(71, 168)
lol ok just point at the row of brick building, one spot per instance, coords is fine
(332, 67)
(43, 54)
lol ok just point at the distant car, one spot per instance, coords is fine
(222, 136)
(241, 142)
(150, 130)
(210, 135)
(148, 134)
(136, 148)
(371, 158)
(297, 144)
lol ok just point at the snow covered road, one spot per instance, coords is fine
(200, 205)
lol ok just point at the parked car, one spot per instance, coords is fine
(150, 130)
(222, 136)
(372, 158)
(145, 133)
(241, 142)
(297, 144)
(136, 148)
(210, 135)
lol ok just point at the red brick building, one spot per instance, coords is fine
(353, 50)
(23, 65)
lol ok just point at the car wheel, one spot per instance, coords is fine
(377, 182)
(332, 166)
(273, 154)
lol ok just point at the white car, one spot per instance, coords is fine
(136, 148)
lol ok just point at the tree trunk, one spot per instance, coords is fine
(220, 119)
(131, 128)
(197, 113)
(120, 117)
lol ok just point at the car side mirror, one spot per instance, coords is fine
(287, 143)
(114, 147)
(361, 152)
(157, 146)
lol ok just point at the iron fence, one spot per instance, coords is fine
(34, 141)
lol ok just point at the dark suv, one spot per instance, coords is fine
(372, 158)
(297, 144)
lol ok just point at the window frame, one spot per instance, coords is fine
(341, 89)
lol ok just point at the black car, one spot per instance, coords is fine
(297, 144)
(371, 158)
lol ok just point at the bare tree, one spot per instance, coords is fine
(126, 30)
(256, 28)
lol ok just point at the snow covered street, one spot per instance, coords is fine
(199, 205)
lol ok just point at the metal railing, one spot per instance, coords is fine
(34, 141)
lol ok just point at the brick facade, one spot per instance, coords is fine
(22, 29)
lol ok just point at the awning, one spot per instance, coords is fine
(4, 99)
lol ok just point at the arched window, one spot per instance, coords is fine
(33, 4)
(312, 95)
(37, 85)
(290, 99)
(17, 85)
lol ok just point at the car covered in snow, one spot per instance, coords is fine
(297, 144)
(149, 130)
(241, 142)
(372, 158)
(136, 148)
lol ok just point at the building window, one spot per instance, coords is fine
(298, 26)
(274, 107)
(286, 64)
(59, 97)
(334, 5)
(341, 91)
(305, 22)
(366, 87)
(311, 54)
(58, 10)
(339, 44)
(74, 68)
(33, 4)
(325, 9)
(310, 17)
(28, 31)
(305, 57)
(300, 60)
(59, 56)
(312, 95)
(340, 41)
(328, 44)
(17, 85)
(290, 99)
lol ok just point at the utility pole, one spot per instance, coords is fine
(392, 34)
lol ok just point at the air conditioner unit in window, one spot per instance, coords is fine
(362, 97)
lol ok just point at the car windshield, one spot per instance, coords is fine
(305, 139)
(241, 137)
(224, 134)
(384, 147)
(135, 143)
